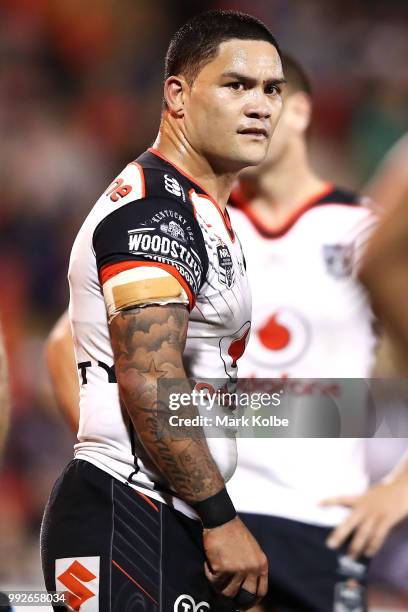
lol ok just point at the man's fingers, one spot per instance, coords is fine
(250, 584)
(233, 586)
(361, 538)
(342, 500)
(225, 583)
(342, 532)
(377, 540)
(230, 584)
(218, 581)
(262, 585)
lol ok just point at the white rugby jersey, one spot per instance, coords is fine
(153, 214)
(310, 318)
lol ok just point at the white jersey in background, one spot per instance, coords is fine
(310, 319)
(153, 220)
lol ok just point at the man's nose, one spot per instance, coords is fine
(258, 105)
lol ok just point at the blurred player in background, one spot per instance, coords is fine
(385, 272)
(4, 395)
(389, 183)
(4, 422)
(303, 241)
(386, 262)
(157, 275)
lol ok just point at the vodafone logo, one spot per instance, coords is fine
(80, 578)
(185, 603)
(281, 338)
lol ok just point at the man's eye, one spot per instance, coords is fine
(273, 90)
(236, 86)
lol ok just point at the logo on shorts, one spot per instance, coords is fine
(80, 578)
(338, 259)
(174, 230)
(351, 568)
(348, 597)
(226, 274)
(173, 186)
(185, 603)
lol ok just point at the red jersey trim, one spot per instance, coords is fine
(111, 270)
(224, 215)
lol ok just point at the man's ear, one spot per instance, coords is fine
(300, 111)
(174, 89)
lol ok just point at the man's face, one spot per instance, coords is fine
(234, 103)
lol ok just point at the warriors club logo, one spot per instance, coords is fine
(338, 259)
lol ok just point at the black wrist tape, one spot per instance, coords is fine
(215, 510)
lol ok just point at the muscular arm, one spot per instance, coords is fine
(148, 344)
(59, 353)
(385, 274)
(389, 185)
(4, 395)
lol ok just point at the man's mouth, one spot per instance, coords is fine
(259, 133)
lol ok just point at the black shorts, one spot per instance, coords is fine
(304, 574)
(115, 549)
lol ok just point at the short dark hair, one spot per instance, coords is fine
(197, 41)
(295, 75)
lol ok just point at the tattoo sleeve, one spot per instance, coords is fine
(4, 395)
(148, 344)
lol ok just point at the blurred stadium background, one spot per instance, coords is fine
(80, 95)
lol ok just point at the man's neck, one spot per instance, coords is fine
(285, 188)
(175, 147)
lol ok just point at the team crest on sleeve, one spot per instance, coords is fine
(226, 274)
(338, 259)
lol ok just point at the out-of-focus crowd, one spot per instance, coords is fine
(80, 95)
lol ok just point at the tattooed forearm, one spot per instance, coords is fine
(4, 395)
(148, 344)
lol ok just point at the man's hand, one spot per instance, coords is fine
(235, 560)
(372, 517)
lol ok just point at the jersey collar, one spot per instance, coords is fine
(279, 231)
